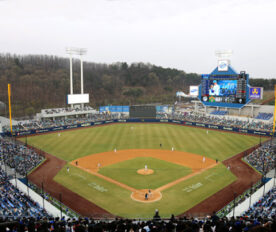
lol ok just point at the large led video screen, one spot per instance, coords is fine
(222, 88)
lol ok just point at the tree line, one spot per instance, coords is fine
(42, 81)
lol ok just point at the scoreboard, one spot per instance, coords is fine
(228, 90)
(143, 111)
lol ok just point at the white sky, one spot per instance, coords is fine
(179, 34)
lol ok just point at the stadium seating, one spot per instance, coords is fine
(17, 156)
(196, 117)
(219, 112)
(188, 116)
(263, 158)
(265, 207)
(264, 116)
(15, 203)
(209, 224)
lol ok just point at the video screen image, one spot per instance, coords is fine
(223, 88)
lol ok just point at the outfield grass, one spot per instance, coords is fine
(78, 143)
(116, 200)
(126, 172)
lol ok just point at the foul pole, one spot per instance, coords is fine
(273, 130)
(9, 94)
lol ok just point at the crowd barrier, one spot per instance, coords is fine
(249, 202)
(37, 198)
(187, 123)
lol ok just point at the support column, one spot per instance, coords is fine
(81, 70)
(71, 77)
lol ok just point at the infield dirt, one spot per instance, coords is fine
(196, 163)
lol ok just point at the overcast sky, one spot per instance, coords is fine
(181, 34)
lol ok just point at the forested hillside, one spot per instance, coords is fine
(39, 82)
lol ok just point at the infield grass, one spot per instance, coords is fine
(79, 143)
(126, 172)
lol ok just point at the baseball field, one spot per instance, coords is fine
(113, 166)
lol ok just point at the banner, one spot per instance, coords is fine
(179, 122)
(256, 93)
(194, 90)
(114, 109)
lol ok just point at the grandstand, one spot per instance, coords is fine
(219, 112)
(57, 113)
(264, 116)
(14, 203)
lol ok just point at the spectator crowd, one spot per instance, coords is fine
(217, 120)
(264, 207)
(57, 122)
(93, 117)
(67, 110)
(209, 224)
(16, 155)
(263, 158)
(14, 203)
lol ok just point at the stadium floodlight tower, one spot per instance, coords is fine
(223, 59)
(80, 52)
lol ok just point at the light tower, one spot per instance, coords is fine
(80, 52)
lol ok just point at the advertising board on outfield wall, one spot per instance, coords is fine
(179, 122)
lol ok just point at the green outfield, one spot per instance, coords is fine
(74, 144)
(126, 172)
(71, 145)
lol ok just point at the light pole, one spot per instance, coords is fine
(80, 52)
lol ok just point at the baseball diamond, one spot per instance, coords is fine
(104, 161)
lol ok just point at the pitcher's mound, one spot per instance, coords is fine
(145, 172)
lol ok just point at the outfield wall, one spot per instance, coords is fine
(179, 122)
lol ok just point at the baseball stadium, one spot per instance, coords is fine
(208, 155)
